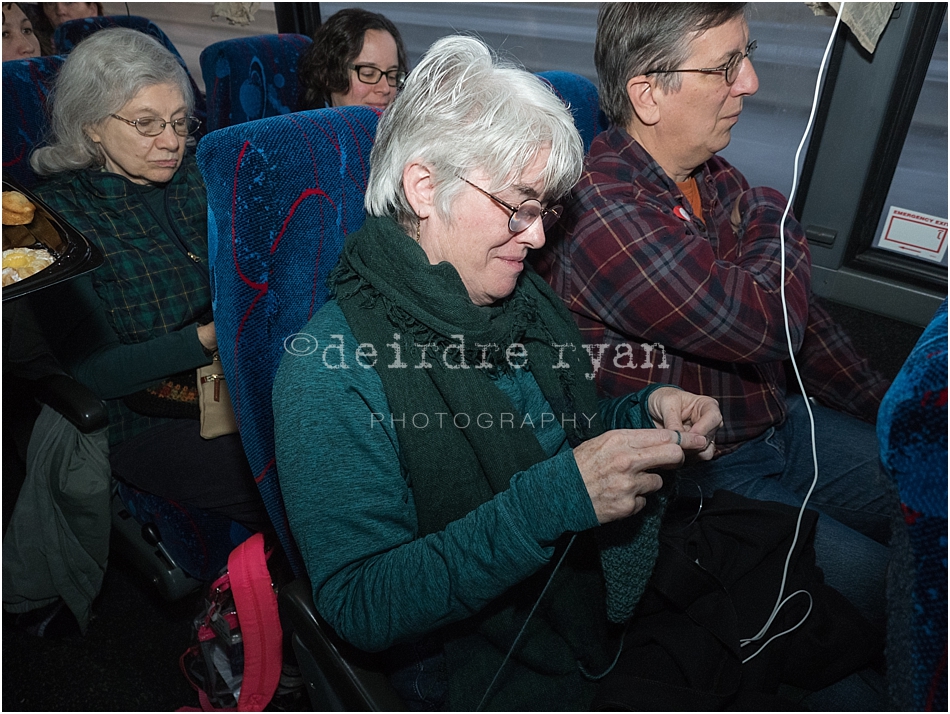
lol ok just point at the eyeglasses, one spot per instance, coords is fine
(525, 213)
(730, 68)
(368, 74)
(153, 126)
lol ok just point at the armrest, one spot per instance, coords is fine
(352, 674)
(73, 400)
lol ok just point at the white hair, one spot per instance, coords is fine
(463, 109)
(103, 74)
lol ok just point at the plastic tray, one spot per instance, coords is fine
(74, 255)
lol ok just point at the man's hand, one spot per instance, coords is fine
(736, 217)
(686, 412)
(618, 467)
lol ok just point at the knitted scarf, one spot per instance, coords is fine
(389, 293)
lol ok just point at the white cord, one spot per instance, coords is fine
(791, 351)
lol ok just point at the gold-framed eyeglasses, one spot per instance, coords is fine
(730, 69)
(368, 74)
(153, 126)
(525, 213)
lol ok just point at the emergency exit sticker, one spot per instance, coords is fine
(915, 234)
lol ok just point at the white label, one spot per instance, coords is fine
(915, 234)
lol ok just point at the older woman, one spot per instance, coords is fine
(136, 328)
(19, 39)
(435, 486)
(357, 57)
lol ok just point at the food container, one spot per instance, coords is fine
(73, 254)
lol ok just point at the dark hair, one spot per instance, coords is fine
(322, 68)
(638, 37)
(44, 28)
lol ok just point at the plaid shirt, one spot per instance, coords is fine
(663, 296)
(151, 283)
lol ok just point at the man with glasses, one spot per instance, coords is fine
(665, 244)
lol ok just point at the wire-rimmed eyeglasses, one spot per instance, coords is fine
(730, 68)
(153, 126)
(525, 213)
(368, 74)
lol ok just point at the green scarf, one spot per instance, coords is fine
(389, 293)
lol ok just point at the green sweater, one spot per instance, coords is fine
(131, 322)
(350, 503)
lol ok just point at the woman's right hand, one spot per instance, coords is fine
(618, 467)
(207, 337)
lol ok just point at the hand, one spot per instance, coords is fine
(207, 337)
(736, 217)
(617, 467)
(686, 412)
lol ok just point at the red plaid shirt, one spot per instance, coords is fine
(662, 296)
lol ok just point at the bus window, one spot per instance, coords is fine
(920, 181)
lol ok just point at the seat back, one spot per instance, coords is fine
(72, 32)
(26, 88)
(912, 429)
(249, 78)
(283, 192)
(580, 94)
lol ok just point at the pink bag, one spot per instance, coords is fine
(238, 623)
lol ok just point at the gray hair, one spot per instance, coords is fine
(463, 109)
(634, 38)
(98, 78)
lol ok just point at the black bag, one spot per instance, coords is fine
(682, 650)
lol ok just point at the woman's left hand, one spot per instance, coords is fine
(683, 411)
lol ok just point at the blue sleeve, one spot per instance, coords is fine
(352, 514)
(631, 411)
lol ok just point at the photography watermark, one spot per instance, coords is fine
(482, 420)
(332, 351)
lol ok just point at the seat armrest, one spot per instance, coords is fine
(73, 400)
(355, 678)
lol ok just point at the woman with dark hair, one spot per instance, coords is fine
(19, 39)
(351, 54)
(50, 15)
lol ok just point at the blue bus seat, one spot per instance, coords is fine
(250, 78)
(912, 429)
(580, 94)
(26, 88)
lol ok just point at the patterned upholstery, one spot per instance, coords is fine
(251, 78)
(580, 94)
(912, 428)
(282, 194)
(72, 32)
(26, 87)
(199, 541)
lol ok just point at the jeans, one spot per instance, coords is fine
(856, 502)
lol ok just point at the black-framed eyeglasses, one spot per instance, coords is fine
(368, 74)
(153, 126)
(525, 213)
(730, 68)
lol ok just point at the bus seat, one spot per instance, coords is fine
(912, 429)
(249, 78)
(26, 88)
(283, 192)
(580, 94)
(72, 32)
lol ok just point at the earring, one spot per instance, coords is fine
(419, 231)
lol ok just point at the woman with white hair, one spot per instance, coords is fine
(436, 486)
(119, 169)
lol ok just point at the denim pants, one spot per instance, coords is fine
(855, 500)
